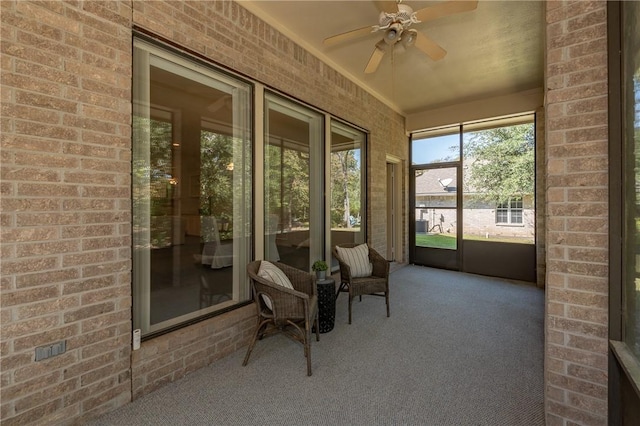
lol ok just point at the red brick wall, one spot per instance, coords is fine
(577, 213)
(65, 206)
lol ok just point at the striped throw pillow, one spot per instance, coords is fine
(358, 260)
(272, 273)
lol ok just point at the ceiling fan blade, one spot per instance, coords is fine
(339, 38)
(387, 6)
(430, 47)
(445, 8)
(374, 61)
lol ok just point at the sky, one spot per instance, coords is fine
(435, 149)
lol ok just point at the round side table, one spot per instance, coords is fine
(326, 304)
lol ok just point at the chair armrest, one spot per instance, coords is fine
(380, 264)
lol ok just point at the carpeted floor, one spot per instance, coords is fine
(458, 349)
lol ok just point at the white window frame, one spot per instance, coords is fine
(510, 209)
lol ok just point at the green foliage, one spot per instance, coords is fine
(216, 175)
(319, 265)
(501, 162)
(345, 188)
(287, 184)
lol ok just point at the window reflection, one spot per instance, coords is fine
(347, 167)
(293, 200)
(631, 128)
(191, 190)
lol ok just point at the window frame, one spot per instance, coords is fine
(624, 365)
(510, 209)
(141, 306)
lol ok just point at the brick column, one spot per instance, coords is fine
(577, 213)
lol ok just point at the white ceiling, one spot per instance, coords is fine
(494, 50)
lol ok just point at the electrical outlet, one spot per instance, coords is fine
(136, 339)
(44, 352)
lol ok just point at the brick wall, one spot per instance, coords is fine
(541, 196)
(66, 211)
(174, 355)
(66, 161)
(577, 213)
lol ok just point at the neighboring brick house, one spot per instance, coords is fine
(514, 220)
(66, 197)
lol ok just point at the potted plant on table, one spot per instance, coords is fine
(320, 267)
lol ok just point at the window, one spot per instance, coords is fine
(293, 183)
(347, 175)
(510, 212)
(631, 176)
(624, 222)
(191, 189)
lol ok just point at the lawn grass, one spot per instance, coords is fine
(448, 241)
(444, 241)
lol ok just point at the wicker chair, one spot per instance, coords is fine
(293, 312)
(377, 284)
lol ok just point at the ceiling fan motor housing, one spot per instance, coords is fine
(404, 14)
(394, 24)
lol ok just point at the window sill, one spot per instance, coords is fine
(628, 361)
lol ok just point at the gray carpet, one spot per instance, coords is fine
(458, 349)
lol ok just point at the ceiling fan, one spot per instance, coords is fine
(395, 21)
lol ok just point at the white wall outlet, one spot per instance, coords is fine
(136, 339)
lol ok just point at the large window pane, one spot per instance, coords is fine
(631, 128)
(293, 186)
(348, 208)
(499, 181)
(191, 189)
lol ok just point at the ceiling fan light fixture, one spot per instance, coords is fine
(409, 37)
(392, 34)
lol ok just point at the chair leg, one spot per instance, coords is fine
(386, 296)
(307, 345)
(342, 286)
(350, 300)
(259, 327)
